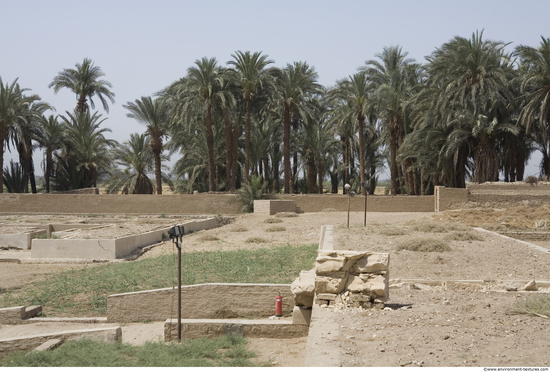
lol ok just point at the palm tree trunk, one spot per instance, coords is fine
(286, 155)
(346, 163)
(81, 105)
(210, 145)
(394, 173)
(247, 141)
(320, 175)
(235, 154)
(48, 169)
(156, 155)
(294, 180)
(266, 170)
(275, 167)
(361, 120)
(2, 140)
(310, 172)
(228, 150)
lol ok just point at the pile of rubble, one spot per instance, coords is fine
(344, 279)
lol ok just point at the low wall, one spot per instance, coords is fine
(445, 198)
(107, 249)
(501, 194)
(527, 235)
(21, 241)
(197, 328)
(199, 301)
(375, 203)
(107, 335)
(270, 207)
(12, 315)
(119, 204)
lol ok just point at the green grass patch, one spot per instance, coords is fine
(228, 351)
(424, 245)
(84, 292)
(536, 305)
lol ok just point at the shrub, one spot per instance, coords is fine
(256, 239)
(286, 214)
(273, 220)
(254, 190)
(275, 228)
(427, 225)
(424, 245)
(209, 237)
(534, 305)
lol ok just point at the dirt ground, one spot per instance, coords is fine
(460, 325)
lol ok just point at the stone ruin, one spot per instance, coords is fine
(344, 279)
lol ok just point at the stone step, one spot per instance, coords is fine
(49, 345)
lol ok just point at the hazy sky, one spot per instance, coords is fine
(143, 46)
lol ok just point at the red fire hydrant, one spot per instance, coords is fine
(278, 306)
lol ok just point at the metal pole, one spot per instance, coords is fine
(348, 207)
(179, 291)
(365, 218)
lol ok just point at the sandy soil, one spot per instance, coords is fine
(421, 325)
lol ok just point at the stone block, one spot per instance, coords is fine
(373, 262)
(333, 283)
(31, 311)
(327, 296)
(378, 285)
(12, 315)
(49, 345)
(301, 315)
(329, 263)
(303, 288)
(355, 284)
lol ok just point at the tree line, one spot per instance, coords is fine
(472, 112)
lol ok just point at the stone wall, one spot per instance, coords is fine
(270, 207)
(12, 315)
(200, 301)
(347, 278)
(352, 278)
(502, 195)
(445, 198)
(375, 203)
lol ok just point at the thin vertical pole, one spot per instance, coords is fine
(179, 292)
(348, 207)
(365, 218)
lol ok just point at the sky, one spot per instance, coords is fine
(143, 46)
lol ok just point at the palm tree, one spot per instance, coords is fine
(155, 114)
(535, 88)
(13, 105)
(252, 77)
(473, 78)
(392, 89)
(195, 98)
(296, 84)
(24, 133)
(136, 156)
(84, 81)
(355, 92)
(51, 138)
(85, 149)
